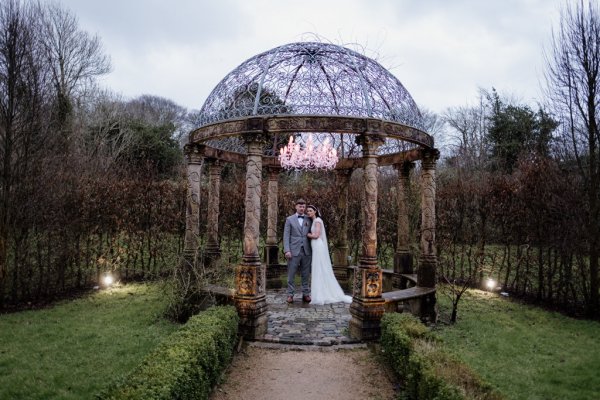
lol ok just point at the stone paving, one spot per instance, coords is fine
(304, 324)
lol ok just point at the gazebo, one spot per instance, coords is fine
(329, 92)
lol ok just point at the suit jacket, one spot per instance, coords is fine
(294, 235)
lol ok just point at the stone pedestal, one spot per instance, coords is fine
(250, 300)
(367, 306)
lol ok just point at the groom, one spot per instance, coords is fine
(296, 246)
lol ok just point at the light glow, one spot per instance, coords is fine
(311, 157)
(490, 284)
(107, 280)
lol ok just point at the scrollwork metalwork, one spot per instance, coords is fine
(320, 80)
(311, 78)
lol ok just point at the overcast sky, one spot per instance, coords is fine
(441, 50)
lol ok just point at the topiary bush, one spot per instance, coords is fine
(428, 371)
(187, 365)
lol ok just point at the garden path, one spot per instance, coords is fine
(306, 354)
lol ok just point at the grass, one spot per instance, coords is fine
(76, 348)
(526, 352)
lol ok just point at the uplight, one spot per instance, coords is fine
(490, 284)
(107, 280)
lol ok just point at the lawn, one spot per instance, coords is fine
(76, 348)
(526, 352)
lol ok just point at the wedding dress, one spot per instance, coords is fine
(324, 288)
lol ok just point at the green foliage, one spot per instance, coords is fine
(153, 146)
(188, 364)
(74, 349)
(524, 351)
(515, 129)
(428, 371)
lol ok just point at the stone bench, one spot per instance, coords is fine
(217, 295)
(416, 300)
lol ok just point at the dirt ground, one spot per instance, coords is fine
(264, 373)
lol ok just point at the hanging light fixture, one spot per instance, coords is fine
(309, 157)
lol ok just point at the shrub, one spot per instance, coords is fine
(429, 372)
(188, 364)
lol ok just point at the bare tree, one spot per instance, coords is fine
(573, 85)
(21, 108)
(101, 130)
(468, 126)
(74, 57)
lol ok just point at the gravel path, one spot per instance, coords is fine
(266, 372)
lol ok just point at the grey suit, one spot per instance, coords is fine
(296, 242)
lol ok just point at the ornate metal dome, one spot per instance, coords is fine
(311, 78)
(311, 89)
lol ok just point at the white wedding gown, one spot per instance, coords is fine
(324, 288)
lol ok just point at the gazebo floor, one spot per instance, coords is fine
(304, 324)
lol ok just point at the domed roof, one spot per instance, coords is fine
(311, 78)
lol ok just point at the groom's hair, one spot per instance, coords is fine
(300, 201)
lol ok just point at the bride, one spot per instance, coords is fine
(325, 289)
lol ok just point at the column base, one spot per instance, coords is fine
(275, 273)
(212, 255)
(250, 301)
(189, 258)
(366, 318)
(253, 317)
(427, 271)
(271, 254)
(403, 264)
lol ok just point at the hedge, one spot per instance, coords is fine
(187, 365)
(428, 371)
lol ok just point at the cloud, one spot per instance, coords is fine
(441, 51)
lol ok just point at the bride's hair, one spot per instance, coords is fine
(317, 213)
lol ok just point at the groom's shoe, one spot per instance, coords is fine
(290, 299)
(306, 298)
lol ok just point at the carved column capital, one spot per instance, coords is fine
(273, 172)
(343, 175)
(370, 143)
(255, 138)
(404, 168)
(193, 153)
(430, 156)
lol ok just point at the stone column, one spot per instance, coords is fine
(193, 154)
(368, 306)
(340, 249)
(428, 261)
(213, 250)
(271, 254)
(250, 274)
(271, 248)
(402, 257)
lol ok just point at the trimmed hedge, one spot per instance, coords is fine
(428, 371)
(188, 364)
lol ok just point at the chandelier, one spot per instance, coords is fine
(309, 157)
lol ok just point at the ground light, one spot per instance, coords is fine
(108, 280)
(490, 284)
